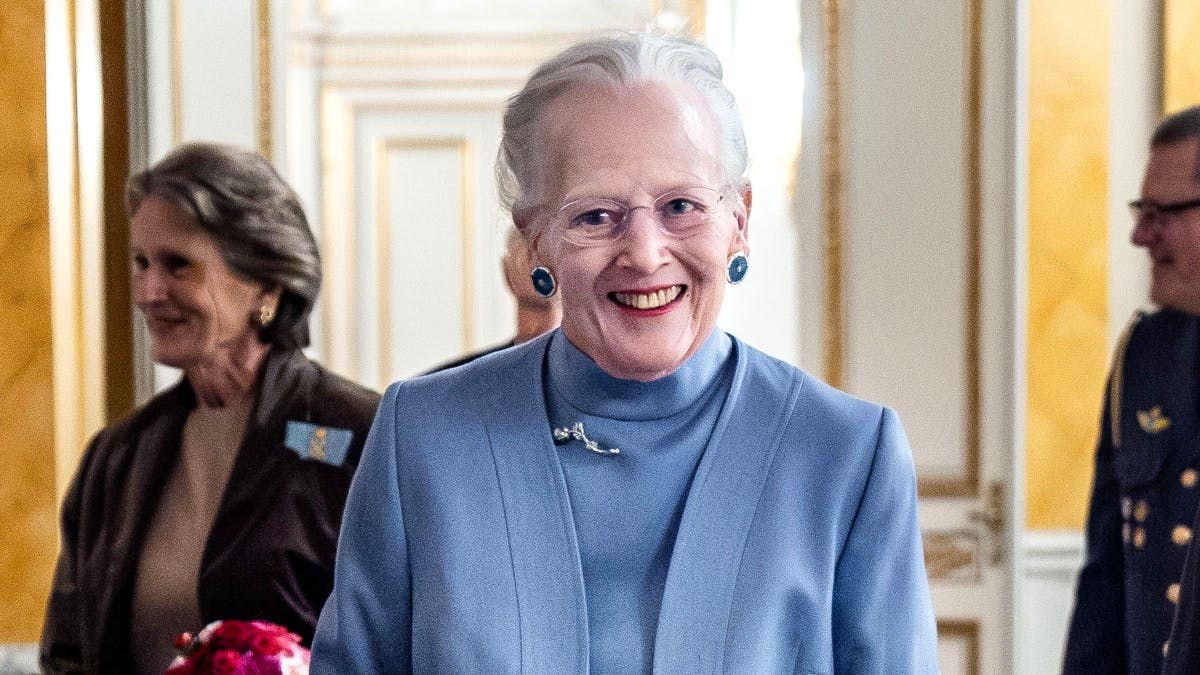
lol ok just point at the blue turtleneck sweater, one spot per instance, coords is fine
(627, 507)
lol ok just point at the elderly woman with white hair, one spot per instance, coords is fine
(636, 491)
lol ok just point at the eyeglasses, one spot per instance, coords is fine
(1142, 209)
(591, 221)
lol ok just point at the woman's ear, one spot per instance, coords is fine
(269, 297)
(742, 213)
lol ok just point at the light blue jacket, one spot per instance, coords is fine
(798, 551)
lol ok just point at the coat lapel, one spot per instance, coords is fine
(698, 597)
(541, 528)
(145, 461)
(260, 469)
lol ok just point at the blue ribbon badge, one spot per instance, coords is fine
(322, 444)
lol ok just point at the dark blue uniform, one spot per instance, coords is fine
(1144, 500)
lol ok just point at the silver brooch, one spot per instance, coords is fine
(563, 434)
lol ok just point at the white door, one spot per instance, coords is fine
(916, 267)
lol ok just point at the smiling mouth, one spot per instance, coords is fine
(652, 300)
(159, 323)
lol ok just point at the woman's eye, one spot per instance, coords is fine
(680, 206)
(595, 218)
(139, 263)
(176, 265)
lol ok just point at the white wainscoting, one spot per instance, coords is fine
(19, 658)
(1048, 565)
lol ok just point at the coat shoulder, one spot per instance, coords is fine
(480, 384)
(352, 401)
(833, 408)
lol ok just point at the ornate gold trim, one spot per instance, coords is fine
(263, 103)
(966, 630)
(381, 175)
(967, 484)
(383, 148)
(118, 304)
(1180, 54)
(697, 12)
(76, 237)
(952, 555)
(176, 27)
(336, 134)
(833, 325)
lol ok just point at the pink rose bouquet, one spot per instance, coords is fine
(240, 648)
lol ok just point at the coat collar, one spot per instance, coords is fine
(716, 520)
(260, 468)
(286, 382)
(541, 528)
(692, 624)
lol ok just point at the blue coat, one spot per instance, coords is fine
(1144, 498)
(798, 551)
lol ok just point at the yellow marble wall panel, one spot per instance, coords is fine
(1067, 255)
(28, 532)
(1181, 54)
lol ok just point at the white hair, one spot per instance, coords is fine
(623, 61)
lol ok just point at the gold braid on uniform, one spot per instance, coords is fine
(1116, 381)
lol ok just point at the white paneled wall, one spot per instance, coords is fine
(1048, 567)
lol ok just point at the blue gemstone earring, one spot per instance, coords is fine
(543, 281)
(738, 266)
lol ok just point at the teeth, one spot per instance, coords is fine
(649, 300)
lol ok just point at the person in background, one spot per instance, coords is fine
(535, 314)
(636, 490)
(221, 497)
(1147, 472)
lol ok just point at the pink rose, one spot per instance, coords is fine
(226, 662)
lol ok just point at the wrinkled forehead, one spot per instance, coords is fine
(159, 219)
(653, 136)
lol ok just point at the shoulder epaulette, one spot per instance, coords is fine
(1117, 377)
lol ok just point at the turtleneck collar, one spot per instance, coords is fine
(576, 378)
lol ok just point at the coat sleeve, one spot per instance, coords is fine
(61, 649)
(1096, 638)
(366, 624)
(883, 617)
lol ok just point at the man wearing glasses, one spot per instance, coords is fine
(1147, 480)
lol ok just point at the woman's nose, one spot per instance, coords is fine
(148, 286)
(644, 244)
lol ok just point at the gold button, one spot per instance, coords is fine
(1140, 510)
(1189, 478)
(1173, 593)
(1125, 532)
(1181, 535)
(1139, 537)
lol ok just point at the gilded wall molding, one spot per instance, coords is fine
(833, 216)
(833, 325)
(967, 632)
(967, 483)
(383, 148)
(263, 104)
(176, 27)
(1181, 54)
(952, 555)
